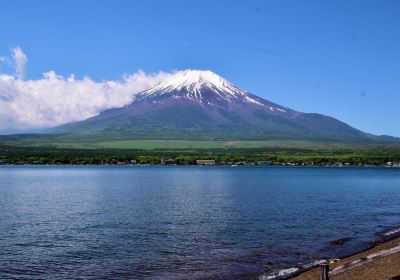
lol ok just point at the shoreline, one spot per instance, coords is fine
(211, 165)
(383, 267)
(311, 271)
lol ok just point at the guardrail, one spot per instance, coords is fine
(324, 268)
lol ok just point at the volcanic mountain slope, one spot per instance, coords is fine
(201, 105)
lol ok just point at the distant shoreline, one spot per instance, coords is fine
(209, 166)
(19, 155)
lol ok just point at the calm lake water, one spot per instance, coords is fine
(186, 222)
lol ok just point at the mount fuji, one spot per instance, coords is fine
(200, 105)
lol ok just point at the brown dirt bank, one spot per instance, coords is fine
(385, 267)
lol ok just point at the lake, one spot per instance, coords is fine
(186, 222)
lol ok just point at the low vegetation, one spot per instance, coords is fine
(11, 154)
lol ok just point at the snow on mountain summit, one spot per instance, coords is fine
(202, 86)
(194, 80)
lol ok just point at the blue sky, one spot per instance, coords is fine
(339, 58)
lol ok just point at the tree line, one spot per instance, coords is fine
(48, 155)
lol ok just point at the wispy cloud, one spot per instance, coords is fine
(19, 59)
(54, 100)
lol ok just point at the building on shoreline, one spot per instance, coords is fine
(205, 162)
(168, 161)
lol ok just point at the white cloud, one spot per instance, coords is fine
(54, 100)
(19, 59)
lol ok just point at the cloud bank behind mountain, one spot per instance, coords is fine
(54, 99)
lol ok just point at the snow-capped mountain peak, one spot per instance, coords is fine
(204, 87)
(201, 105)
(194, 80)
(195, 85)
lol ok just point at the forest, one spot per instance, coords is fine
(257, 156)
